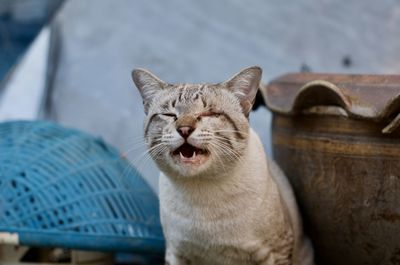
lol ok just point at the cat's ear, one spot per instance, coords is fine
(245, 86)
(148, 85)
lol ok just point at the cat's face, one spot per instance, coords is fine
(197, 130)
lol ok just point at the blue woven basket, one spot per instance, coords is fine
(61, 187)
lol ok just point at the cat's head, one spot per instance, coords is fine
(197, 129)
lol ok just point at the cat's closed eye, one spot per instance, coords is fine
(210, 114)
(172, 115)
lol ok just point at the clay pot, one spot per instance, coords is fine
(337, 138)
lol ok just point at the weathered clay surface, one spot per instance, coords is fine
(344, 169)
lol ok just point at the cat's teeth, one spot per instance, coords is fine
(182, 157)
(194, 155)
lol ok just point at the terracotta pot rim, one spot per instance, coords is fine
(365, 97)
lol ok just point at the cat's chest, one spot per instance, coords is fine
(208, 242)
(216, 220)
(211, 242)
(202, 228)
(214, 255)
(208, 235)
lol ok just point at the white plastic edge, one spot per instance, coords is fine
(9, 238)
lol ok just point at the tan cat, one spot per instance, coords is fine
(221, 201)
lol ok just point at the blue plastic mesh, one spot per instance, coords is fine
(61, 187)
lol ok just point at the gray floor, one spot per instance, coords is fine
(199, 41)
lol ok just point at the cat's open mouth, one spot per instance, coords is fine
(187, 153)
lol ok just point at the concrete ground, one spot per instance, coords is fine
(205, 41)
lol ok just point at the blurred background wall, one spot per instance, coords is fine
(20, 22)
(101, 41)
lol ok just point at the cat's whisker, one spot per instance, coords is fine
(143, 159)
(233, 131)
(136, 138)
(140, 137)
(229, 130)
(136, 148)
(138, 141)
(225, 151)
(230, 157)
(221, 149)
(146, 152)
(157, 152)
(229, 151)
(218, 157)
(224, 140)
(134, 144)
(133, 163)
(125, 152)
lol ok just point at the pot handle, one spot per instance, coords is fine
(324, 93)
(393, 125)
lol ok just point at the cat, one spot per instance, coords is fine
(221, 200)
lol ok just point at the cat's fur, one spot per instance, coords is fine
(227, 204)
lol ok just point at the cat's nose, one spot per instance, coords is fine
(185, 131)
